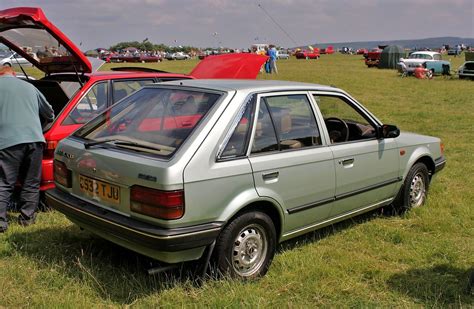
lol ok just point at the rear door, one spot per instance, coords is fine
(290, 161)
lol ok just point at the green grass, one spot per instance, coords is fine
(421, 259)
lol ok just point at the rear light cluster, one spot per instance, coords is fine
(167, 205)
(48, 150)
(61, 174)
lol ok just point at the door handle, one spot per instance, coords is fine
(347, 161)
(270, 176)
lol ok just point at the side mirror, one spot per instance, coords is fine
(390, 131)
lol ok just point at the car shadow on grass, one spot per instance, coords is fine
(116, 273)
(437, 286)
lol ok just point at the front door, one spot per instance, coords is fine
(367, 168)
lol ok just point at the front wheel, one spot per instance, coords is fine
(246, 246)
(414, 191)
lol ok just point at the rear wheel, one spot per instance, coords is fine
(414, 191)
(246, 246)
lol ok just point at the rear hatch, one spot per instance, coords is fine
(28, 32)
(124, 160)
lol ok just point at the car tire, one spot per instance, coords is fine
(246, 246)
(414, 191)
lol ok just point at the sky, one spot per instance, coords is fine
(241, 23)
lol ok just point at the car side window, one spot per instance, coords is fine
(236, 144)
(91, 104)
(122, 88)
(285, 122)
(343, 122)
(265, 138)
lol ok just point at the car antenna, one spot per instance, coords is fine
(278, 25)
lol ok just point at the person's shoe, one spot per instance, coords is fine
(26, 222)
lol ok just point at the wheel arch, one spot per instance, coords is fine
(426, 160)
(267, 207)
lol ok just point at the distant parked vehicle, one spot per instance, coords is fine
(328, 50)
(429, 59)
(308, 54)
(466, 70)
(14, 59)
(372, 58)
(177, 56)
(282, 54)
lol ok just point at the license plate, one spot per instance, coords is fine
(99, 190)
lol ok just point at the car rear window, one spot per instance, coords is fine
(152, 120)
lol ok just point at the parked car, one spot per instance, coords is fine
(175, 168)
(466, 70)
(283, 54)
(14, 59)
(308, 54)
(177, 56)
(372, 57)
(429, 59)
(78, 93)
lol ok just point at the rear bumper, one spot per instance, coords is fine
(136, 235)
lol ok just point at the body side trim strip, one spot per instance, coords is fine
(342, 196)
(341, 217)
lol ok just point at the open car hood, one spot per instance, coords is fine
(229, 66)
(27, 31)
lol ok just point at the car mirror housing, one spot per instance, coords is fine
(390, 131)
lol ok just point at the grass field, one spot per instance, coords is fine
(420, 259)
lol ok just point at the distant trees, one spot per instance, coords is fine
(147, 45)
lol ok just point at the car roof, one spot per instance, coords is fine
(426, 53)
(250, 85)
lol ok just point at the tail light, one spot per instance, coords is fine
(48, 150)
(167, 205)
(61, 174)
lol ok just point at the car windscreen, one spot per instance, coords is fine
(152, 120)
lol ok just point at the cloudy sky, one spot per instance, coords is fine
(240, 23)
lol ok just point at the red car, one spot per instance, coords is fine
(76, 92)
(308, 54)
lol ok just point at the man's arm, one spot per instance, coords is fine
(45, 110)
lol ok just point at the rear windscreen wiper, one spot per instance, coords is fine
(87, 145)
(119, 142)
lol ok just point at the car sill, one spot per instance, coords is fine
(322, 224)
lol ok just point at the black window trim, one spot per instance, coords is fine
(373, 121)
(112, 81)
(315, 111)
(250, 99)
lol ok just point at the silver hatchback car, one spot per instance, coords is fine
(230, 168)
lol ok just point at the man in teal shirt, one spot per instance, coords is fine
(22, 107)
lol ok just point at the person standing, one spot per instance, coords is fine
(22, 109)
(272, 53)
